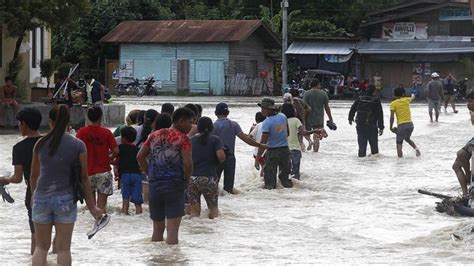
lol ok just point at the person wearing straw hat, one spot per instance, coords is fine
(275, 136)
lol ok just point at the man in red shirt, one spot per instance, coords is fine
(101, 148)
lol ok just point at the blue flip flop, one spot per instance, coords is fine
(5, 195)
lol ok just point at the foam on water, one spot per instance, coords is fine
(344, 209)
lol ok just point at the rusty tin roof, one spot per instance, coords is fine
(189, 31)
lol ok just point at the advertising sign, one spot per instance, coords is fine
(405, 31)
(126, 69)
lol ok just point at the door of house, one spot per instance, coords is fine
(111, 73)
(212, 72)
(217, 78)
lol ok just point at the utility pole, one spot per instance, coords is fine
(271, 9)
(284, 66)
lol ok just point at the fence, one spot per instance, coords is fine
(240, 84)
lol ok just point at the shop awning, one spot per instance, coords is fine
(415, 47)
(321, 48)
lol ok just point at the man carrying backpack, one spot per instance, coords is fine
(369, 120)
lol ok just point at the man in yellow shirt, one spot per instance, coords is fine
(401, 108)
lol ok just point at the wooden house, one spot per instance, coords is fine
(214, 57)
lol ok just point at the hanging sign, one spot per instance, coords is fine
(405, 31)
(126, 69)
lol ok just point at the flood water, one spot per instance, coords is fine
(344, 209)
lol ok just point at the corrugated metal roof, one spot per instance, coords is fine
(329, 48)
(189, 31)
(415, 47)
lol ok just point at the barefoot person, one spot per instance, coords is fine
(169, 168)
(29, 120)
(318, 101)
(434, 94)
(208, 152)
(401, 108)
(129, 170)
(53, 199)
(449, 92)
(7, 98)
(461, 166)
(101, 149)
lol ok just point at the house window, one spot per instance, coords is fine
(42, 44)
(33, 48)
(240, 67)
(253, 71)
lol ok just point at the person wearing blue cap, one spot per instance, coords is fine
(227, 130)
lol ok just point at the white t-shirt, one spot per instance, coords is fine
(293, 125)
(257, 135)
(139, 130)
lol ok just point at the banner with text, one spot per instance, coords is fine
(405, 31)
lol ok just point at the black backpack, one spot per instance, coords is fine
(364, 110)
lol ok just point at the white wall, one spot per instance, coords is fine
(35, 72)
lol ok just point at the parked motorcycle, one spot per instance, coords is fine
(149, 86)
(131, 88)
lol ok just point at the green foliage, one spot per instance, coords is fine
(275, 21)
(63, 70)
(306, 19)
(14, 68)
(48, 66)
(23, 16)
(468, 67)
(82, 43)
(315, 28)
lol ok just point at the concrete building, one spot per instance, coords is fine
(405, 43)
(212, 57)
(36, 46)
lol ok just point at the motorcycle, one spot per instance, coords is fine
(150, 88)
(131, 88)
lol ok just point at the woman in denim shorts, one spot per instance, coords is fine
(53, 201)
(208, 152)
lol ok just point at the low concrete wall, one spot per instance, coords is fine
(114, 114)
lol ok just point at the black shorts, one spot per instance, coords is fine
(166, 205)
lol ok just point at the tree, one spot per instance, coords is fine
(275, 21)
(48, 66)
(315, 28)
(81, 44)
(19, 17)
